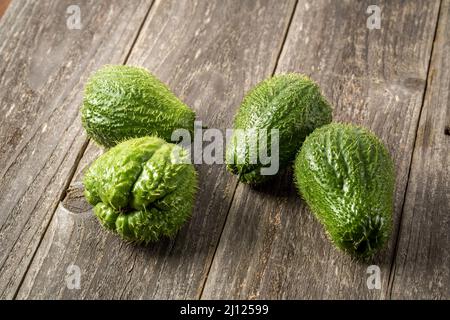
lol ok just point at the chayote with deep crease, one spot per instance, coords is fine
(142, 189)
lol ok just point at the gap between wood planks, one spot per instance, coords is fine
(74, 167)
(427, 83)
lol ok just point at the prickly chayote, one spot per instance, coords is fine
(122, 102)
(142, 188)
(290, 103)
(346, 176)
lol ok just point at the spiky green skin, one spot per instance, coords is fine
(122, 102)
(291, 103)
(346, 176)
(139, 191)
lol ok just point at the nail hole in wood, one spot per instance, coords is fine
(447, 130)
(74, 201)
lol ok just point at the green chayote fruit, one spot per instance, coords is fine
(290, 103)
(122, 102)
(346, 176)
(142, 188)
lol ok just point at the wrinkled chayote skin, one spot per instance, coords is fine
(291, 103)
(123, 102)
(346, 176)
(141, 190)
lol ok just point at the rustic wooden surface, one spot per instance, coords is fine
(422, 265)
(241, 42)
(241, 242)
(369, 76)
(43, 68)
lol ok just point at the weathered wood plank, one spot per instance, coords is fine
(272, 246)
(209, 53)
(44, 64)
(422, 264)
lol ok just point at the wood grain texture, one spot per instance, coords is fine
(272, 246)
(43, 67)
(209, 53)
(422, 264)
